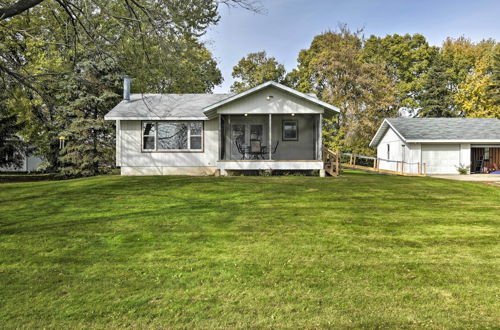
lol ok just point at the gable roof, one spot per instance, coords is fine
(415, 130)
(190, 106)
(209, 110)
(164, 106)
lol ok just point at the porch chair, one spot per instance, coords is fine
(255, 149)
(240, 149)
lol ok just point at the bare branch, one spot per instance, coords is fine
(251, 5)
(18, 8)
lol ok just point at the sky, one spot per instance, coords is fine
(287, 26)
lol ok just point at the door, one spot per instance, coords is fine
(238, 138)
(441, 158)
(241, 135)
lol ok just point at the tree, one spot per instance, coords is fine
(493, 89)
(90, 91)
(474, 94)
(12, 148)
(406, 59)
(333, 68)
(255, 69)
(461, 55)
(436, 96)
(43, 47)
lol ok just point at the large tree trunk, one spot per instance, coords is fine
(17, 8)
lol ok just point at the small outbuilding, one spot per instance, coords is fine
(443, 144)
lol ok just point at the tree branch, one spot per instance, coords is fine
(18, 8)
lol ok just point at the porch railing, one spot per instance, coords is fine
(331, 160)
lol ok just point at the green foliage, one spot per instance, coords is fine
(333, 69)
(255, 69)
(89, 92)
(46, 57)
(12, 148)
(406, 59)
(436, 97)
(463, 169)
(475, 94)
(493, 88)
(294, 252)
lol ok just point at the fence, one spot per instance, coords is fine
(367, 163)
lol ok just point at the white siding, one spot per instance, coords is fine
(281, 102)
(397, 150)
(118, 142)
(465, 155)
(29, 164)
(136, 162)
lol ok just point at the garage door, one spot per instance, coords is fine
(441, 158)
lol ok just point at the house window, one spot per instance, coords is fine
(388, 151)
(149, 136)
(290, 130)
(173, 136)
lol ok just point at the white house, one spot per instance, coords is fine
(31, 163)
(270, 126)
(442, 144)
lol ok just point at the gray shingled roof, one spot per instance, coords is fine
(427, 129)
(164, 106)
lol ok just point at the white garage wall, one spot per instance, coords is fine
(465, 155)
(397, 151)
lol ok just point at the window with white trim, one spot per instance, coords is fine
(172, 136)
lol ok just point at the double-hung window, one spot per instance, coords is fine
(172, 136)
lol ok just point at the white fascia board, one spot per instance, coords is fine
(154, 118)
(376, 136)
(211, 108)
(382, 127)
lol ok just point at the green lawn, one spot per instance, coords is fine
(361, 250)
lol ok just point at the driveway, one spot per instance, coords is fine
(493, 179)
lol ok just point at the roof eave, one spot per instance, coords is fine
(453, 141)
(386, 124)
(153, 118)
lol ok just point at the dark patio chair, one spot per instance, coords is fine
(240, 149)
(255, 149)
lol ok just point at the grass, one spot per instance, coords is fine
(361, 250)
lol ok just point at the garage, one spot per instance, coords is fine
(441, 158)
(439, 145)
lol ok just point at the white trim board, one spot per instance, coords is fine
(271, 165)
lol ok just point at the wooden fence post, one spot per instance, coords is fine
(419, 169)
(337, 163)
(425, 169)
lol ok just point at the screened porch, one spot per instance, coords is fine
(270, 137)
